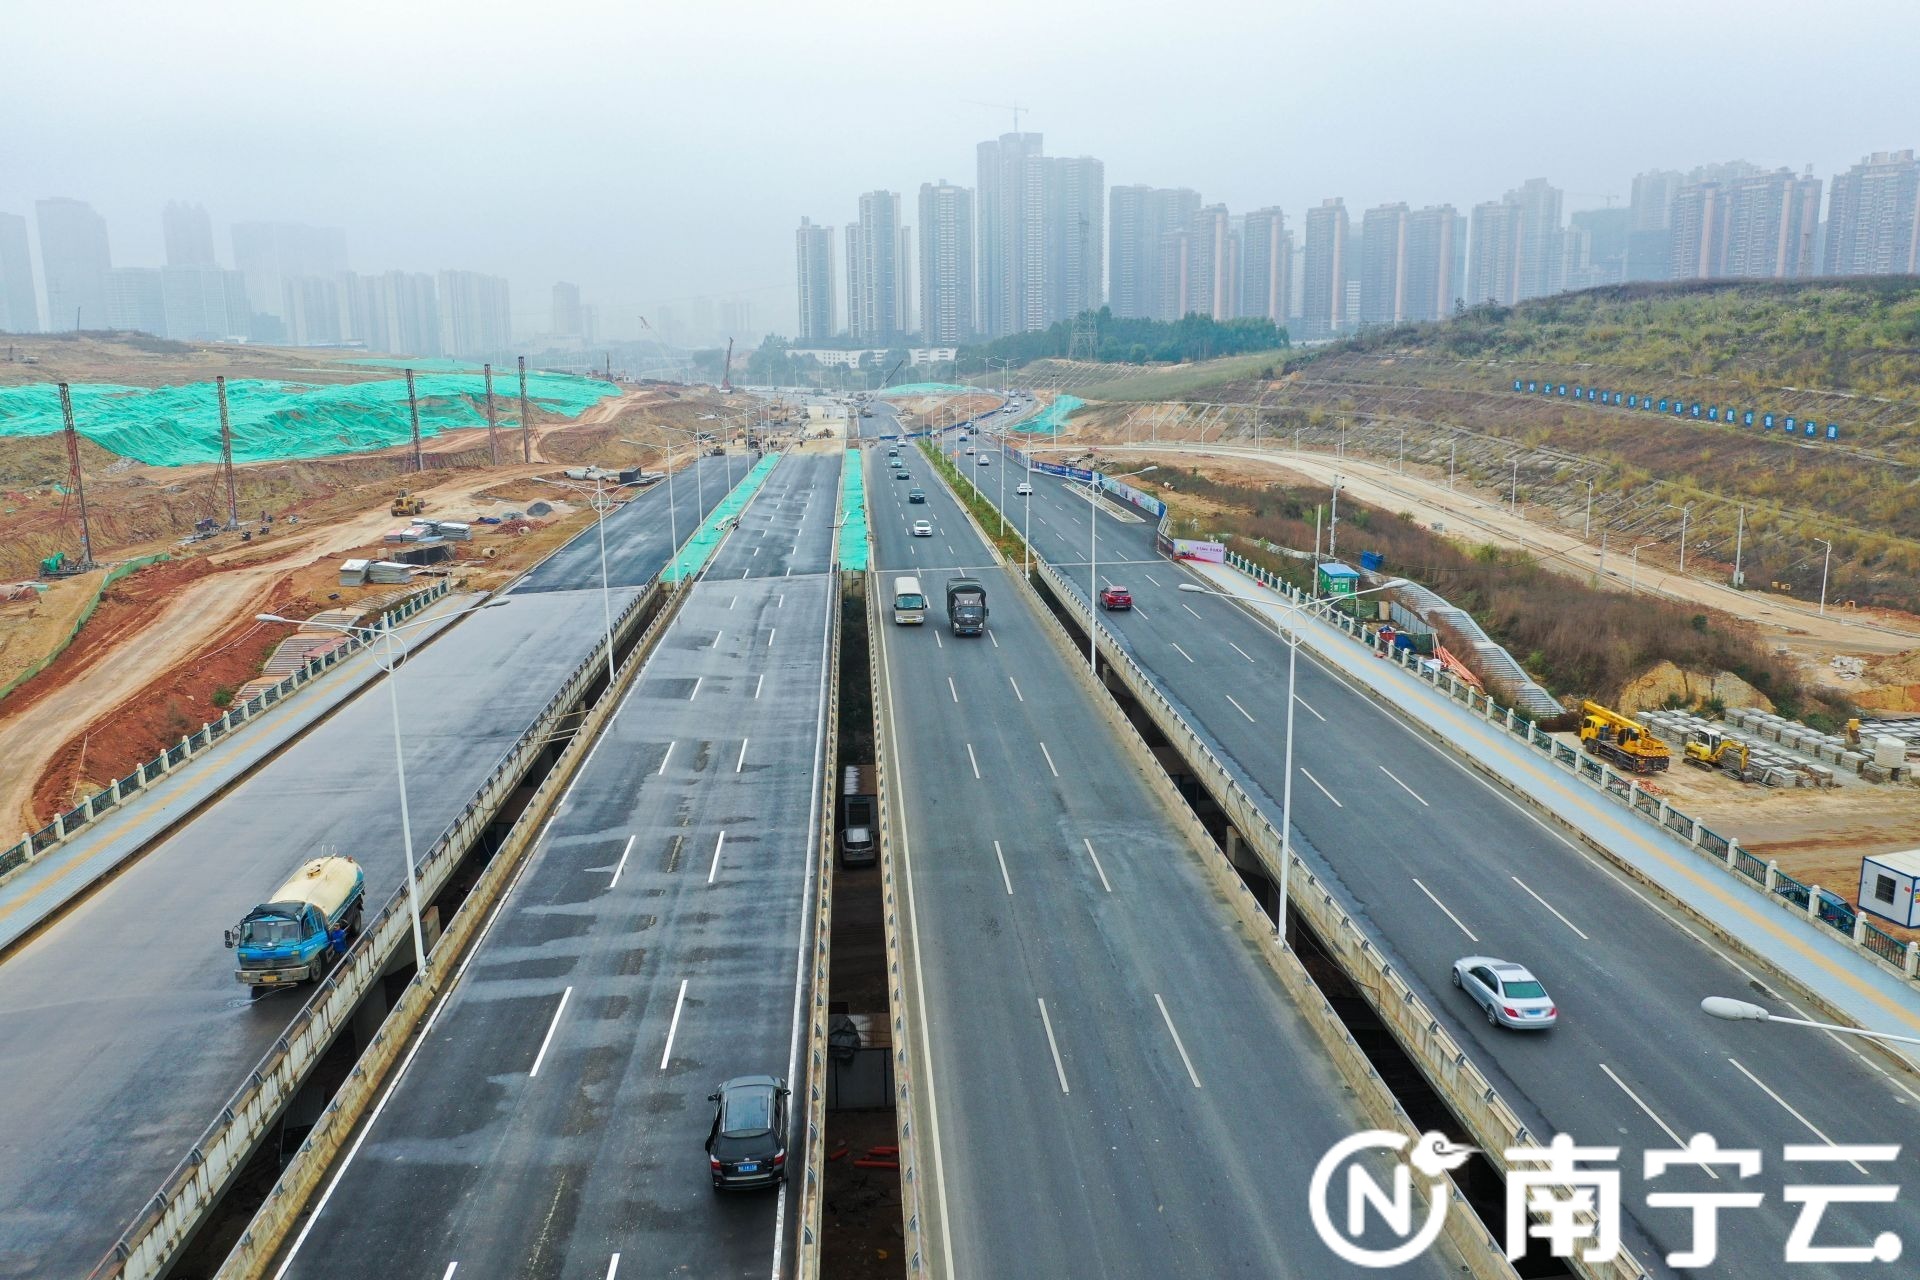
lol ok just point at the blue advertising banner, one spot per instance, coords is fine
(1788, 424)
(1516, 384)
(1747, 421)
(1728, 414)
(1633, 402)
(1663, 406)
(1767, 421)
(1713, 413)
(1833, 431)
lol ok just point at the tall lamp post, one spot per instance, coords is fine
(391, 667)
(1093, 556)
(1740, 1011)
(1825, 565)
(1286, 784)
(600, 505)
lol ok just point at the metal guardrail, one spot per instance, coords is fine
(1901, 958)
(813, 1182)
(912, 1208)
(32, 844)
(147, 1247)
(1445, 1063)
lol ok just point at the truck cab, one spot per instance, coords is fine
(966, 606)
(294, 935)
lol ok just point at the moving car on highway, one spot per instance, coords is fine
(747, 1146)
(1509, 992)
(916, 495)
(922, 528)
(1114, 596)
(1023, 489)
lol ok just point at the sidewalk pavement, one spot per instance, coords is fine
(1845, 979)
(38, 891)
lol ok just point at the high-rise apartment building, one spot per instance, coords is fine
(1074, 237)
(19, 304)
(1428, 284)
(404, 313)
(1140, 220)
(1873, 219)
(315, 313)
(204, 303)
(188, 233)
(1266, 266)
(566, 311)
(270, 253)
(1606, 239)
(1011, 261)
(1383, 265)
(1649, 238)
(1538, 247)
(813, 273)
(946, 263)
(873, 248)
(1323, 298)
(1757, 226)
(134, 302)
(903, 295)
(476, 315)
(736, 318)
(73, 264)
(1204, 278)
(1493, 262)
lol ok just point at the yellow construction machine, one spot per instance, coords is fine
(408, 505)
(1621, 740)
(1714, 750)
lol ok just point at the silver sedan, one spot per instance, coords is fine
(1510, 994)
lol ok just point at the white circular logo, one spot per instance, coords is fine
(1432, 1155)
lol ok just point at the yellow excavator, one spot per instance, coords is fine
(1621, 740)
(1714, 750)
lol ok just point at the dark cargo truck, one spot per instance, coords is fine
(859, 820)
(966, 606)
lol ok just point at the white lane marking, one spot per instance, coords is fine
(1043, 519)
(1049, 755)
(1789, 1109)
(758, 681)
(613, 1266)
(1142, 612)
(1310, 711)
(622, 864)
(996, 643)
(1237, 707)
(716, 638)
(1242, 652)
(770, 635)
(1185, 1060)
(1403, 786)
(741, 762)
(1004, 877)
(696, 688)
(663, 760)
(936, 639)
(1549, 906)
(756, 550)
(1096, 864)
(673, 1027)
(1189, 657)
(1150, 578)
(975, 763)
(950, 685)
(1016, 689)
(1190, 609)
(1471, 936)
(1664, 1126)
(1323, 791)
(552, 1027)
(1059, 1068)
(780, 600)
(718, 845)
(448, 1273)
(731, 601)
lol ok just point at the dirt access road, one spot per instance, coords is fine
(1781, 619)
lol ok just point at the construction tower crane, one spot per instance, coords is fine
(726, 372)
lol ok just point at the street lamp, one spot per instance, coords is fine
(1741, 1011)
(1093, 554)
(1588, 535)
(1825, 565)
(600, 505)
(673, 516)
(392, 666)
(1286, 783)
(1684, 512)
(1633, 581)
(699, 483)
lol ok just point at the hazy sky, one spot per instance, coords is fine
(659, 149)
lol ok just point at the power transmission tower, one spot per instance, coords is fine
(226, 453)
(413, 410)
(493, 444)
(1084, 344)
(526, 417)
(76, 479)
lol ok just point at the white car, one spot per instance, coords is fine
(982, 460)
(1510, 994)
(1023, 489)
(923, 528)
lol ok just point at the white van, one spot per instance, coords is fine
(909, 601)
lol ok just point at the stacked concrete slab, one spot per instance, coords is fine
(1765, 760)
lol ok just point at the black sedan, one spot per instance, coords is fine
(748, 1144)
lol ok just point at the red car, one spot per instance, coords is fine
(1115, 597)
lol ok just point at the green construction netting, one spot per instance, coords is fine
(924, 389)
(175, 426)
(853, 549)
(1051, 419)
(700, 547)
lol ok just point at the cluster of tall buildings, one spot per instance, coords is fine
(289, 283)
(1040, 239)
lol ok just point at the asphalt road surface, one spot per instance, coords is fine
(1111, 1081)
(122, 1029)
(551, 1121)
(1435, 863)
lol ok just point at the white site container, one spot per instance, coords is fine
(1889, 752)
(1890, 887)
